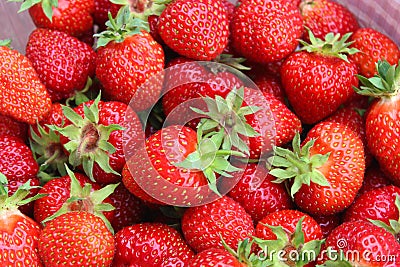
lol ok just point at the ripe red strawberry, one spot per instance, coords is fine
(127, 56)
(101, 9)
(326, 170)
(204, 226)
(330, 81)
(19, 233)
(360, 243)
(289, 230)
(328, 222)
(22, 95)
(71, 16)
(157, 159)
(150, 244)
(352, 118)
(129, 210)
(265, 30)
(256, 192)
(325, 16)
(92, 137)
(270, 84)
(381, 118)
(215, 257)
(13, 186)
(16, 159)
(373, 178)
(374, 46)
(377, 204)
(60, 191)
(62, 62)
(9, 126)
(196, 29)
(76, 238)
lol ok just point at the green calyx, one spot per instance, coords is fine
(298, 165)
(292, 247)
(6, 43)
(394, 225)
(85, 199)
(228, 115)
(50, 154)
(18, 198)
(124, 25)
(244, 253)
(47, 6)
(211, 158)
(142, 9)
(333, 45)
(385, 84)
(229, 60)
(88, 139)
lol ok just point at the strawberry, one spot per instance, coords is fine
(360, 243)
(352, 118)
(62, 62)
(326, 170)
(287, 231)
(13, 186)
(23, 96)
(330, 81)
(9, 126)
(377, 204)
(76, 238)
(328, 222)
(127, 56)
(129, 210)
(265, 31)
(17, 162)
(374, 46)
(101, 9)
(196, 29)
(167, 146)
(19, 233)
(256, 192)
(326, 16)
(150, 244)
(92, 137)
(71, 16)
(270, 84)
(204, 226)
(373, 178)
(381, 118)
(72, 192)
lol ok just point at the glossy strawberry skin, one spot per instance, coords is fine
(382, 135)
(129, 210)
(373, 178)
(257, 194)
(16, 159)
(253, 30)
(196, 29)
(328, 222)
(324, 16)
(57, 193)
(101, 9)
(151, 244)
(62, 62)
(329, 85)
(73, 17)
(344, 169)
(202, 225)
(169, 145)
(370, 242)
(215, 257)
(288, 219)
(9, 126)
(377, 204)
(19, 236)
(123, 67)
(373, 46)
(80, 236)
(23, 96)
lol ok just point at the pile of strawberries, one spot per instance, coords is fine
(199, 133)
